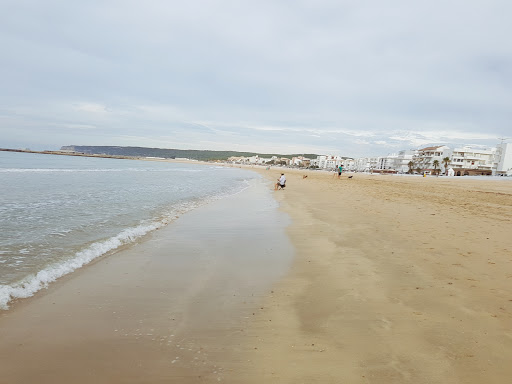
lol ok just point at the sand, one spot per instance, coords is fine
(166, 310)
(393, 280)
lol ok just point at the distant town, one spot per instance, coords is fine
(435, 160)
(432, 160)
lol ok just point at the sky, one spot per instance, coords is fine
(350, 78)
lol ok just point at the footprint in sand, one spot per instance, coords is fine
(386, 324)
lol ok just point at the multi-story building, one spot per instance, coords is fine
(425, 157)
(398, 162)
(238, 159)
(365, 164)
(502, 164)
(373, 163)
(472, 161)
(401, 161)
(300, 161)
(250, 160)
(386, 162)
(349, 164)
(361, 164)
(327, 161)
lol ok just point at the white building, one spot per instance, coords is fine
(249, 160)
(386, 162)
(349, 164)
(502, 164)
(425, 157)
(374, 162)
(238, 159)
(366, 164)
(361, 164)
(402, 159)
(300, 161)
(327, 161)
(474, 159)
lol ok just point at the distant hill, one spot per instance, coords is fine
(171, 153)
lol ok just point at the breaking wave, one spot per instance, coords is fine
(28, 286)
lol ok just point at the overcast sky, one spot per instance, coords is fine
(354, 78)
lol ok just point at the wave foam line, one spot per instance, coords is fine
(34, 283)
(30, 285)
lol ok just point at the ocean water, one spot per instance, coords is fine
(58, 213)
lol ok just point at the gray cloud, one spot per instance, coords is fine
(354, 78)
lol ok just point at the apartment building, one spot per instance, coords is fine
(252, 160)
(502, 164)
(398, 162)
(365, 164)
(300, 161)
(386, 162)
(327, 161)
(472, 161)
(424, 158)
(349, 164)
(462, 161)
(401, 161)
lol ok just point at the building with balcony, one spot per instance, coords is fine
(300, 161)
(472, 161)
(424, 158)
(402, 159)
(386, 162)
(327, 161)
(502, 164)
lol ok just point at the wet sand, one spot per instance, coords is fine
(163, 311)
(393, 280)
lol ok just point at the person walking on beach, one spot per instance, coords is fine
(340, 170)
(281, 182)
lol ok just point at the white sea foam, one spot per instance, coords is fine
(33, 283)
(51, 257)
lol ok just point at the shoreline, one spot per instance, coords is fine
(22, 282)
(165, 309)
(223, 163)
(394, 280)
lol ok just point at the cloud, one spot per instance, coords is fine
(91, 107)
(343, 77)
(86, 127)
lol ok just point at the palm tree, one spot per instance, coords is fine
(435, 163)
(410, 164)
(446, 161)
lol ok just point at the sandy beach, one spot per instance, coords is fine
(387, 279)
(395, 280)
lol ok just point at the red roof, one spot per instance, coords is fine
(431, 148)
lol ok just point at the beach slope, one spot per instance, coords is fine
(395, 280)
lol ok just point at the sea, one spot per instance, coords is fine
(59, 213)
